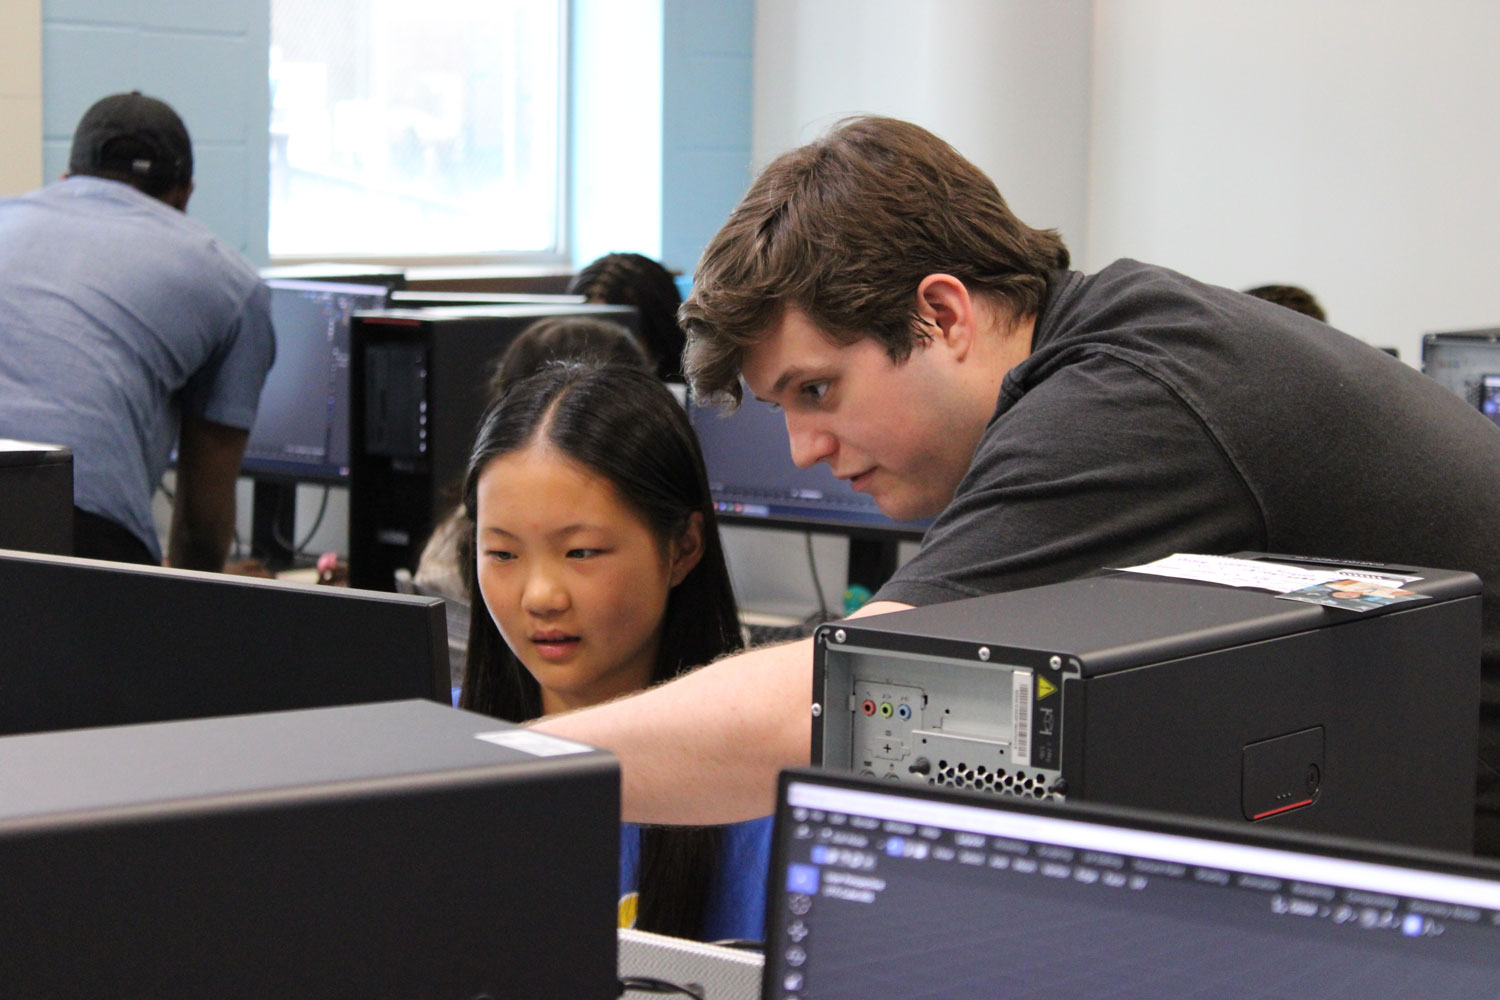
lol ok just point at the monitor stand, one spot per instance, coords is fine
(872, 561)
(273, 519)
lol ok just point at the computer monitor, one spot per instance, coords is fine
(408, 298)
(396, 850)
(301, 430)
(91, 643)
(755, 482)
(889, 890)
(390, 277)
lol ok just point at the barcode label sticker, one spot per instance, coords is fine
(531, 742)
(1020, 702)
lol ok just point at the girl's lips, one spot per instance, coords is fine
(555, 647)
(856, 482)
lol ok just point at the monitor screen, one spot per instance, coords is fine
(301, 429)
(881, 890)
(1467, 362)
(754, 480)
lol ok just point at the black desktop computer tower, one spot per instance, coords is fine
(36, 498)
(1174, 695)
(417, 389)
(402, 849)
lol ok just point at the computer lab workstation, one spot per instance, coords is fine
(1246, 774)
(1150, 775)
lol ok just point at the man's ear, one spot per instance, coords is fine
(178, 196)
(944, 303)
(687, 548)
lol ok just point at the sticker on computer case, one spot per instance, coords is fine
(532, 742)
(1020, 710)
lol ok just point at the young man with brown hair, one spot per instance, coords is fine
(936, 352)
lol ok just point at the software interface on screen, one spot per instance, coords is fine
(751, 473)
(892, 894)
(302, 426)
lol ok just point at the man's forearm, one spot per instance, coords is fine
(706, 748)
(204, 550)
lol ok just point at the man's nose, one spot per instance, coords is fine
(809, 442)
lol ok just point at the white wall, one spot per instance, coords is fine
(1345, 145)
(20, 96)
(1005, 81)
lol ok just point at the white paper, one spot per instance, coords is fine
(1257, 574)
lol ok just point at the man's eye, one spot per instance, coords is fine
(815, 391)
(583, 553)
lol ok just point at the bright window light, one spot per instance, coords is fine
(403, 129)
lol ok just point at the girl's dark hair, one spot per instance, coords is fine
(632, 279)
(624, 425)
(566, 338)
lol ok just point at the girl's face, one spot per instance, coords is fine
(574, 579)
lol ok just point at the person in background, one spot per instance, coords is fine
(125, 326)
(632, 279)
(1294, 298)
(597, 558)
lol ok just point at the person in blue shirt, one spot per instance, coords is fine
(597, 557)
(126, 327)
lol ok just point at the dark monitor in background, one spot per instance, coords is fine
(891, 891)
(92, 643)
(36, 497)
(395, 850)
(755, 482)
(409, 298)
(301, 432)
(529, 280)
(391, 278)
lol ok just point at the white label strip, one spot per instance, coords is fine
(532, 742)
(1020, 707)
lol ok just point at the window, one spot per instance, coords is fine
(403, 129)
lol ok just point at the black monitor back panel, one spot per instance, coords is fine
(418, 388)
(1174, 695)
(36, 497)
(92, 643)
(397, 850)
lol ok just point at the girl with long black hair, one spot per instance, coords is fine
(597, 556)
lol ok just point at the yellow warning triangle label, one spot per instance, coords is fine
(1044, 687)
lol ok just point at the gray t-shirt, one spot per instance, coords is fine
(1157, 414)
(118, 316)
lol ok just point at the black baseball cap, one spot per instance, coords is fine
(134, 135)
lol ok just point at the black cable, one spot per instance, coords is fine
(812, 564)
(650, 984)
(300, 548)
